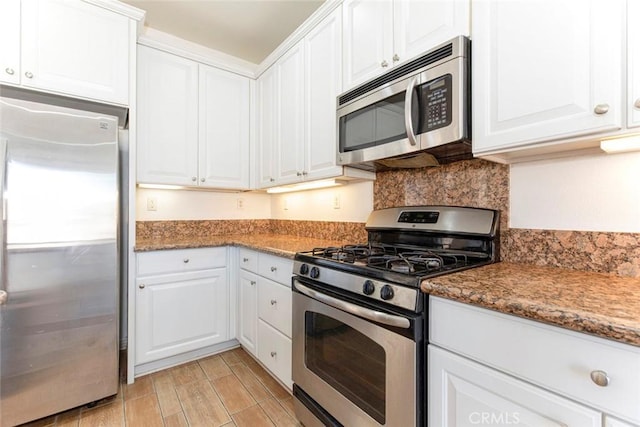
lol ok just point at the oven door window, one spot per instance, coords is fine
(349, 361)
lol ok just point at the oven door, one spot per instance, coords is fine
(362, 372)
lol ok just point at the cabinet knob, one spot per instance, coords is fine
(9, 71)
(4, 296)
(637, 104)
(193, 178)
(601, 109)
(600, 378)
(274, 354)
(29, 74)
(298, 173)
(396, 58)
(186, 260)
(384, 64)
(141, 286)
(245, 259)
(274, 269)
(271, 179)
(273, 302)
(253, 283)
(201, 179)
(305, 173)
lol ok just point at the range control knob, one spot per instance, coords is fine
(315, 272)
(368, 287)
(304, 269)
(386, 293)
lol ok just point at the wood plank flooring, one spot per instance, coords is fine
(228, 389)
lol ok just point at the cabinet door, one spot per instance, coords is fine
(290, 121)
(267, 117)
(167, 118)
(179, 313)
(419, 25)
(73, 47)
(248, 310)
(367, 28)
(532, 85)
(465, 393)
(633, 54)
(224, 129)
(10, 41)
(323, 66)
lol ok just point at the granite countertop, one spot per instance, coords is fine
(277, 244)
(604, 305)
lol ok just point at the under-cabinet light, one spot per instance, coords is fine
(161, 186)
(312, 185)
(621, 145)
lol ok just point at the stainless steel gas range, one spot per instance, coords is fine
(360, 319)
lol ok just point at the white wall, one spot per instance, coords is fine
(355, 200)
(194, 205)
(589, 193)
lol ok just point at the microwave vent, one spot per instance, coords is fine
(394, 73)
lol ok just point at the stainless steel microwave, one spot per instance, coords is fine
(416, 114)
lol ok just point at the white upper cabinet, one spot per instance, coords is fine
(290, 110)
(193, 123)
(267, 117)
(167, 118)
(66, 47)
(381, 34)
(323, 83)
(224, 129)
(633, 52)
(297, 109)
(545, 70)
(10, 41)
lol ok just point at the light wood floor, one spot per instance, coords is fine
(229, 389)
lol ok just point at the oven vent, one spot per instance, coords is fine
(394, 73)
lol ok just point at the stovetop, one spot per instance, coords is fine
(405, 246)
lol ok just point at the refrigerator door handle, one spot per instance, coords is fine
(3, 205)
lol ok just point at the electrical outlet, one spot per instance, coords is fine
(152, 204)
(336, 201)
(240, 203)
(285, 204)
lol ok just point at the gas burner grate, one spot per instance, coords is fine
(354, 253)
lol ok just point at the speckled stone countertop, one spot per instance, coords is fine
(277, 244)
(600, 304)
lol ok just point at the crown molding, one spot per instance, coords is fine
(123, 9)
(186, 49)
(313, 20)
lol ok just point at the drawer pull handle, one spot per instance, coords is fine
(273, 269)
(253, 282)
(186, 260)
(600, 378)
(245, 259)
(273, 354)
(141, 286)
(273, 302)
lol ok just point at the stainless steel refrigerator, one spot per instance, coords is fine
(59, 289)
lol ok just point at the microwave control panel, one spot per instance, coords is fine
(435, 96)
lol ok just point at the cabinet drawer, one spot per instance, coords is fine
(248, 260)
(182, 260)
(275, 268)
(552, 357)
(274, 305)
(274, 351)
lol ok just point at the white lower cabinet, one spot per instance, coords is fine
(465, 393)
(487, 364)
(182, 302)
(264, 310)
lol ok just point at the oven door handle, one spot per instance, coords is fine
(408, 104)
(376, 316)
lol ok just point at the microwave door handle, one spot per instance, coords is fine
(408, 120)
(376, 316)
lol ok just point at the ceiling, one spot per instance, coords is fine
(247, 29)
